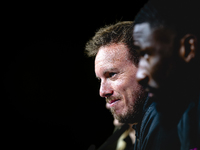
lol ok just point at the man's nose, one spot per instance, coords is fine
(142, 75)
(105, 90)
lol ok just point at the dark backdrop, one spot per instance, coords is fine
(49, 86)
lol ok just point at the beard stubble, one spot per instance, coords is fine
(134, 111)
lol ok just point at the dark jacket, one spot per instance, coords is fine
(152, 135)
(163, 131)
(189, 126)
(111, 142)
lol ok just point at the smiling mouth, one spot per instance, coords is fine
(113, 101)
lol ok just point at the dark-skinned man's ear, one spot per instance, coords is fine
(188, 47)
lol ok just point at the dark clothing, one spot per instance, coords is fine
(177, 130)
(187, 128)
(198, 119)
(129, 145)
(152, 135)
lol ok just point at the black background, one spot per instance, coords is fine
(49, 86)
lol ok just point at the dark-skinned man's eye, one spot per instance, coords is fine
(142, 53)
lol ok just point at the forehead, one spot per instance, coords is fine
(142, 34)
(144, 37)
(112, 55)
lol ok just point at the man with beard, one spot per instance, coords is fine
(115, 67)
(166, 34)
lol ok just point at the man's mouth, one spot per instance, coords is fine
(113, 101)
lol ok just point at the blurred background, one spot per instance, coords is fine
(50, 93)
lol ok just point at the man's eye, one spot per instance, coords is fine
(136, 47)
(112, 74)
(142, 53)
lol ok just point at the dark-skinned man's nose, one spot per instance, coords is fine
(142, 77)
(142, 73)
(105, 90)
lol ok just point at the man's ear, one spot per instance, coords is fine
(188, 47)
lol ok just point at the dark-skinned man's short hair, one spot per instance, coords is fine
(121, 32)
(178, 15)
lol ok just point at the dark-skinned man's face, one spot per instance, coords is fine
(156, 70)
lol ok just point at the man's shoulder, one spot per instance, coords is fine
(150, 120)
(188, 126)
(153, 133)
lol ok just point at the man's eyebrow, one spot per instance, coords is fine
(110, 70)
(106, 71)
(137, 32)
